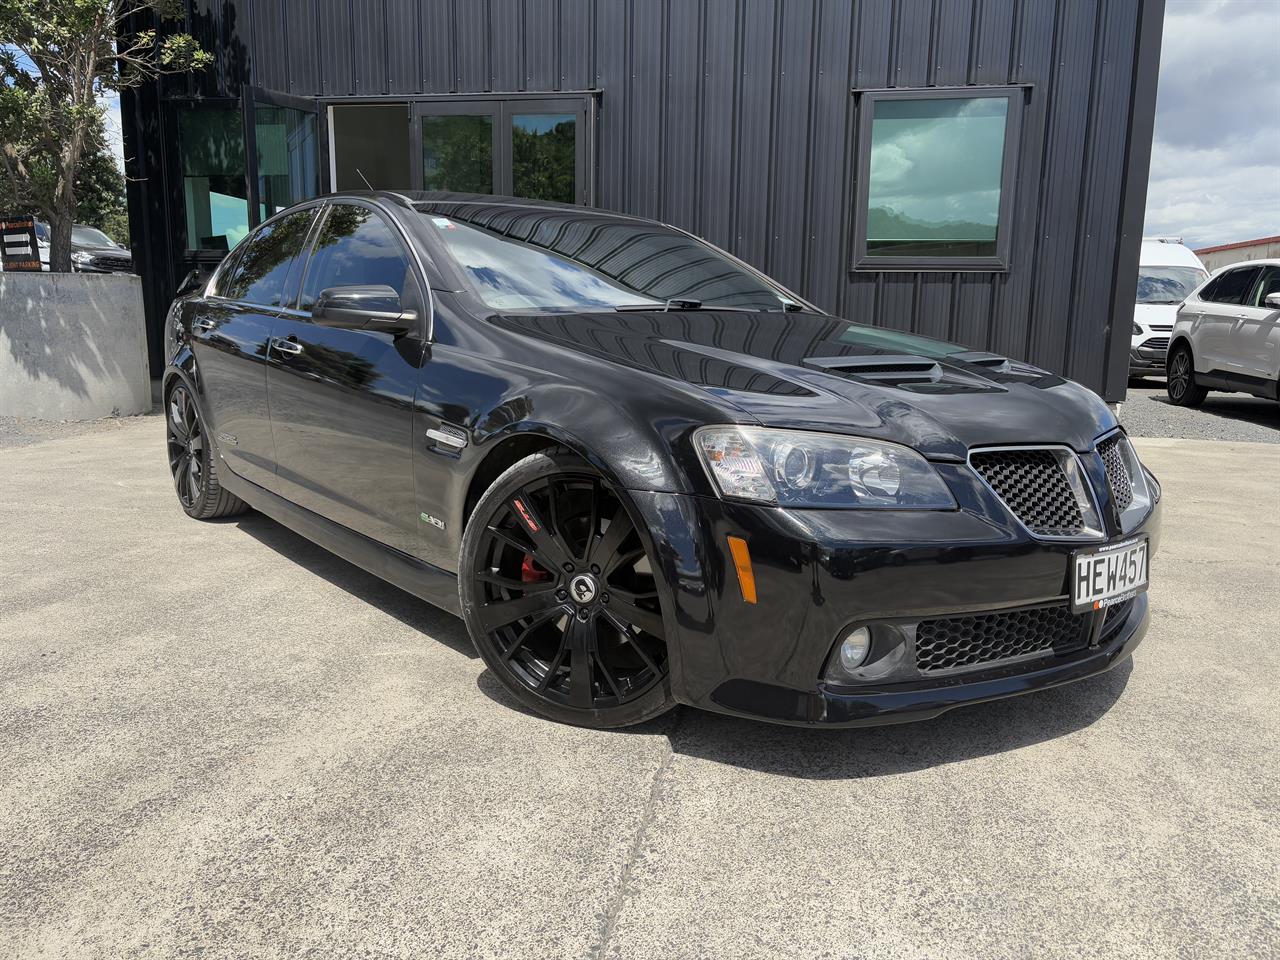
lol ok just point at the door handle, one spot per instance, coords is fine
(291, 347)
(203, 325)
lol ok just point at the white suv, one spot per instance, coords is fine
(1167, 272)
(1227, 336)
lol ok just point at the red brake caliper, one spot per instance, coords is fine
(530, 572)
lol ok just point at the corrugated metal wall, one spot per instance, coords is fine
(734, 118)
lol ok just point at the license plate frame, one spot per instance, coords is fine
(1117, 584)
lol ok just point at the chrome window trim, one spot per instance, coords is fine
(1087, 536)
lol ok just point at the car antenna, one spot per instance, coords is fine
(364, 178)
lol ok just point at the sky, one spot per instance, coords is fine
(1215, 161)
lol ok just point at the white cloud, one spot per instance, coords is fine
(1215, 160)
(110, 104)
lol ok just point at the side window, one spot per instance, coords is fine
(262, 274)
(1270, 284)
(1231, 287)
(355, 246)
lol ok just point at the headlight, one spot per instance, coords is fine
(1141, 494)
(82, 258)
(794, 468)
(1137, 330)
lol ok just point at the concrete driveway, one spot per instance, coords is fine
(217, 740)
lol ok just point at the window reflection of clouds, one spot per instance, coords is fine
(522, 276)
(938, 161)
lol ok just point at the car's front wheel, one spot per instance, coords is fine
(1181, 383)
(559, 595)
(191, 461)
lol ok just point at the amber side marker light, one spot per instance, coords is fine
(742, 563)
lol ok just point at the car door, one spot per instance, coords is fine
(230, 332)
(1254, 348)
(342, 400)
(1219, 308)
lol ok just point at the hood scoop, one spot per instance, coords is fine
(907, 371)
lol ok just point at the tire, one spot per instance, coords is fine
(1181, 384)
(191, 461)
(559, 597)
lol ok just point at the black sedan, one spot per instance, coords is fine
(646, 474)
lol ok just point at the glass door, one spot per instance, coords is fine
(521, 147)
(285, 142)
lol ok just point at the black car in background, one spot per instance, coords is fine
(644, 473)
(92, 251)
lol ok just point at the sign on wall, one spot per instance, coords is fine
(18, 249)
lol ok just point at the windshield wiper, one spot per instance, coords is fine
(672, 304)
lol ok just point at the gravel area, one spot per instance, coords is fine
(24, 431)
(218, 740)
(1147, 412)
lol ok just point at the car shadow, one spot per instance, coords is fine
(805, 753)
(421, 616)
(965, 733)
(1233, 406)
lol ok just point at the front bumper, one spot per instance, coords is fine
(1144, 359)
(819, 572)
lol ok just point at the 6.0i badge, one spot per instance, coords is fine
(434, 521)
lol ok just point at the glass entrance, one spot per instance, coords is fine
(518, 147)
(285, 141)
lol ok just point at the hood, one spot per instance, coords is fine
(814, 372)
(115, 252)
(1156, 316)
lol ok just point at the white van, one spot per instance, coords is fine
(1167, 272)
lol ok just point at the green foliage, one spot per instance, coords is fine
(57, 59)
(542, 164)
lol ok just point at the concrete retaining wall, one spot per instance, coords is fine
(73, 346)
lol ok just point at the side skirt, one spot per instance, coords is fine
(437, 587)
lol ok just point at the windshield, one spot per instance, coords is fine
(540, 260)
(1167, 284)
(90, 237)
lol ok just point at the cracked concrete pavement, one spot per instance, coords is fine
(219, 740)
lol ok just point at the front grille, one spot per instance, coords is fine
(1156, 343)
(953, 643)
(1034, 486)
(1162, 327)
(1117, 473)
(1114, 619)
(113, 263)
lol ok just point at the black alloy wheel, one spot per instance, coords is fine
(191, 461)
(1181, 383)
(560, 596)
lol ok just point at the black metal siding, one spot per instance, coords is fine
(735, 119)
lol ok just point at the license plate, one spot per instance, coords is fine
(1108, 575)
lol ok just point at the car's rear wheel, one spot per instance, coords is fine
(560, 598)
(191, 461)
(1181, 384)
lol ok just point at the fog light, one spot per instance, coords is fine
(854, 649)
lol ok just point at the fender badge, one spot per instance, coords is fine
(228, 439)
(434, 521)
(524, 515)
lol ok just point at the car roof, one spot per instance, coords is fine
(1167, 253)
(413, 198)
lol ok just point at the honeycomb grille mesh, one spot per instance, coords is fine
(952, 643)
(1117, 473)
(1034, 486)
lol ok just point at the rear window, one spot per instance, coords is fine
(1167, 284)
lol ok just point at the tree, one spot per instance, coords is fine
(100, 199)
(57, 57)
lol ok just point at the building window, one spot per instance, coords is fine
(935, 178)
(214, 189)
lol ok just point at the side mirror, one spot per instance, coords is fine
(372, 307)
(1272, 300)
